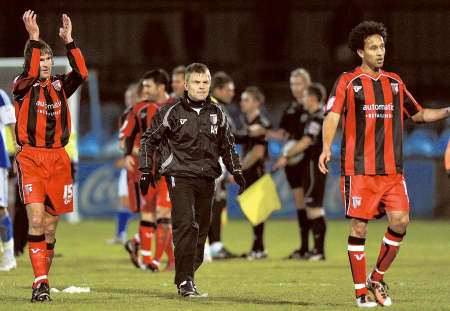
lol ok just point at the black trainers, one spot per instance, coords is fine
(187, 289)
(223, 254)
(132, 248)
(299, 254)
(41, 293)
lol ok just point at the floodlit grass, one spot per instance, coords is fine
(419, 279)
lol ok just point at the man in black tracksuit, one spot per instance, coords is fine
(188, 137)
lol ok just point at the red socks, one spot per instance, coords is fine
(357, 258)
(388, 252)
(37, 249)
(163, 234)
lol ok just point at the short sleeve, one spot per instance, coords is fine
(336, 100)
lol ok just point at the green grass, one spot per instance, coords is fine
(419, 279)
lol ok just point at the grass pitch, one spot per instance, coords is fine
(419, 279)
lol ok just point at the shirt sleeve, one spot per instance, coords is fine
(30, 74)
(79, 73)
(313, 129)
(337, 97)
(7, 113)
(410, 105)
(151, 139)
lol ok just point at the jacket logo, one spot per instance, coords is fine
(213, 118)
(394, 87)
(356, 201)
(357, 88)
(182, 121)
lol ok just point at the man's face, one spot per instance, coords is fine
(147, 85)
(309, 100)
(225, 93)
(45, 66)
(130, 98)
(298, 85)
(248, 103)
(374, 51)
(198, 85)
(154, 90)
(178, 84)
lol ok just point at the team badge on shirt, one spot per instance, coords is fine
(213, 118)
(394, 87)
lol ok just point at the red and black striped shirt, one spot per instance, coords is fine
(372, 110)
(42, 111)
(138, 120)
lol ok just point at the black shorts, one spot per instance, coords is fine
(297, 175)
(314, 191)
(252, 175)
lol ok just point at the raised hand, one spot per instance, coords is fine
(29, 19)
(65, 32)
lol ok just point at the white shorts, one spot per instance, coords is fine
(3, 187)
(123, 184)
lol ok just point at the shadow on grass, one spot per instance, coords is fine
(209, 300)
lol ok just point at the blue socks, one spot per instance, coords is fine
(7, 233)
(123, 216)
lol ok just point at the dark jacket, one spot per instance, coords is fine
(189, 143)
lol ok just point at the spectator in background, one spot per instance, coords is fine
(7, 118)
(254, 157)
(178, 82)
(123, 212)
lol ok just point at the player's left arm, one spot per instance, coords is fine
(253, 156)
(427, 115)
(79, 73)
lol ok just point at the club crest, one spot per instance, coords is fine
(394, 87)
(213, 119)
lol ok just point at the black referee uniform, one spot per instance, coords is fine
(293, 122)
(252, 174)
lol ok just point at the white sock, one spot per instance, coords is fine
(8, 249)
(216, 247)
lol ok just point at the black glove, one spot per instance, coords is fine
(240, 180)
(145, 181)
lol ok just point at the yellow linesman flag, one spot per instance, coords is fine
(260, 200)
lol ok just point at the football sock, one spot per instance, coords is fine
(388, 251)
(146, 230)
(319, 228)
(303, 224)
(37, 250)
(163, 229)
(6, 225)
(258, 232)
(50, 254)
(169, 249)
(357, 258)
(123, 216)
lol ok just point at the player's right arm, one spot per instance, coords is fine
(333, 110)
(30, 73)
(152, 138)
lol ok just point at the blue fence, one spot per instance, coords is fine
(98, 190)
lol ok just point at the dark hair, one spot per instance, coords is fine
(362, 31)
(159, 76)
(195, 68)
(219, 80)
(256, 93)
(178, 70)
(43, 46)
(317, 90)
